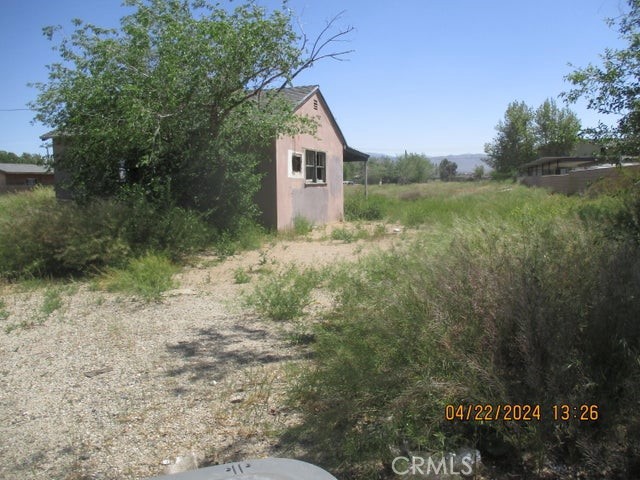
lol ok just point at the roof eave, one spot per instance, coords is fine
(353, 155)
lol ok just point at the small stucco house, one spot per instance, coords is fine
(303, 174)
(23, 176)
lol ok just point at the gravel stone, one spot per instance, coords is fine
(110, 387)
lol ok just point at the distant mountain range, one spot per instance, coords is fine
(466, 162)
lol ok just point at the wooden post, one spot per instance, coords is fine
(366, 178)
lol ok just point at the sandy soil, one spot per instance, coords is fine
(110, 387)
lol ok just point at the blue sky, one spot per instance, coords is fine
(427, 76)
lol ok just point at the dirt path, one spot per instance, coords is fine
(108, 387)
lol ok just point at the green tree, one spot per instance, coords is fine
(612, 87)
(514, 145)
(382, 169)
(447, 170)
(556, 129)
(414, 168)
(353, 171)
(179, 103)
(10, 157)
(478, 172)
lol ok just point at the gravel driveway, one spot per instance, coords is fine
(108, 387)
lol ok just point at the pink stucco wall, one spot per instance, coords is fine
(318, 203)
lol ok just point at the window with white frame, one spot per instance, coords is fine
(316, 166)
(295, 165)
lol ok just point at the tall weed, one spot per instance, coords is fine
(534, 309)
(40, 236)
(148, 277)
(359, 207)
(284, 295)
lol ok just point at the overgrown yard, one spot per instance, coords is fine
(102, 384)
(342, 345)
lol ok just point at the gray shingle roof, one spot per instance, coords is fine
(22, 168)
(298, 95)
(560, 160)
(49, 135)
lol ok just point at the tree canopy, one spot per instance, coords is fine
(514, 143)
(613, 86)
(414, 168)
(526, 134)
(178, 102)
(447, 170)
(407, 168)
(10, 157)
(556, 130)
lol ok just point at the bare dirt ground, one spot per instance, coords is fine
(110, 387)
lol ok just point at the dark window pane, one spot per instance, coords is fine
(310, 171)
(296, 164)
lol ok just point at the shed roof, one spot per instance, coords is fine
(24, 168)
(298, 96)
(353, 155)
(568, 162)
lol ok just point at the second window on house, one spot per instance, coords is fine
(316, 163)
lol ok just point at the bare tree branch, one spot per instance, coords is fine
(316, 54)
(319, 45)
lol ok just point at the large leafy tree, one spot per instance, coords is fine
(447, 170)
(613, 87)
(414, 168)
(556, 130)
(178, 103)
(515, 142)
(526, 134)
(406, 168)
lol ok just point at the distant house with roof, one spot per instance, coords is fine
(302, 174)
(23, 176)
(570, 174)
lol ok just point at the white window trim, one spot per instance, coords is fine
(292, 174)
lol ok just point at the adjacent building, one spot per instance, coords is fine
(15, 177)
(302, 175)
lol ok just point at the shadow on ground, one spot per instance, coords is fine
(217, 351)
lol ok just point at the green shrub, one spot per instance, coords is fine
(148, 277)
(539, 310)
(248, 236)
(172, 230)
(40, 236)
(4, 314)
(342, 234)
(241, 276)
(624, 222)
(52, 301)
(301, 225)
(359, 207)
(284, 295)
